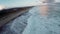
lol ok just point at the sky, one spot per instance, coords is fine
(57, 0)
(20, 3)
(12, 3)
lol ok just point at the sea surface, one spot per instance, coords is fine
(45, 20)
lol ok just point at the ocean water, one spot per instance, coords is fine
(45, 20)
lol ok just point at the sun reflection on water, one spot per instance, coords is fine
(44, 10)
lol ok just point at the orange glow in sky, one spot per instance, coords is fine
(1, 7)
